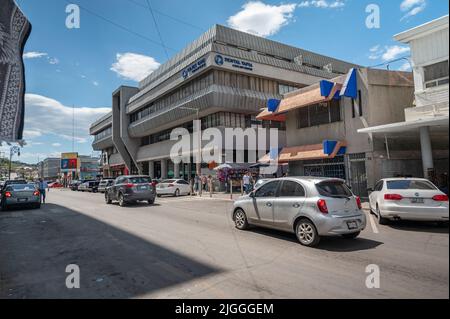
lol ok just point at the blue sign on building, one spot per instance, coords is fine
(235, 63)
(193, 68)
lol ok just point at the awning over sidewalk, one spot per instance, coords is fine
(407, 125)
(321, 92)
(328, 149)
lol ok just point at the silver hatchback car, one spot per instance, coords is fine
(310, 207)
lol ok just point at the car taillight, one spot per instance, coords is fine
(440, 198)
(322, 205)
(358, 202)
(129, 185)
(153, 184)
(8, 194)
(36, 193)
(393, 197)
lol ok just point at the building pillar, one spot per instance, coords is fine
(163, 168)
(176, 170)
(427, 151)
(151, 169)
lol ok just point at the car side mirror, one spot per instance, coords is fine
(370, 190)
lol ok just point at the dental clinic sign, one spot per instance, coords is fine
(235, 63)
(193, 68)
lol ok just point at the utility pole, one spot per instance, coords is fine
(13, 150)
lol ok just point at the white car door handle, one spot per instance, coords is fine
(269, 204)
(296, 205)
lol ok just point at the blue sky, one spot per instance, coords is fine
(81, 67)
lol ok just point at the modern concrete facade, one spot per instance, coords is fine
(223, 78)
(49, 168)
(314, 121)
(425, 128)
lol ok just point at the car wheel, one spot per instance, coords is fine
(107, 199)
(121, 200)
(37, 206)
(307, 233)
(159, 195)
(151, 201)
(381, 219)
(351, 236)
(177, 193)
(240, 219)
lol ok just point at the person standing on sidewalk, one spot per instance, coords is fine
(246, 182)
(42, 188)
(197, 183)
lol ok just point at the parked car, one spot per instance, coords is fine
(83, 187)
(175, 187)
(408, 199)
(104, 184)
(55, 185)
(74, 185)
(310, 207)
(14, 181)
(260, 181)
(131, 189)
(92, 186)
(20, 194)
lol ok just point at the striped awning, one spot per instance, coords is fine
(328, 149)
(323, 91)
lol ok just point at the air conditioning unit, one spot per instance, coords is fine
(328, 68)
(298, 60)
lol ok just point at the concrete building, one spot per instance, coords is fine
(322, 121)
(223, 78)
(49, 168)
(425, 128)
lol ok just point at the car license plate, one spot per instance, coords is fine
(417, 200)
(143, 187)
(22, 199)
(352, 225)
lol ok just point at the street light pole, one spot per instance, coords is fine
(13, 150)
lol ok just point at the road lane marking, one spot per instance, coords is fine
(373, 224)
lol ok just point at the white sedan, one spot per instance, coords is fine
(175, 187)
(408, 199)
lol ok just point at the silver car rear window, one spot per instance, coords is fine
(410, 184)
(21, 187)
(333, 189)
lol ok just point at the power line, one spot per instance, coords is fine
(406, 57)
(168, 16)
(157, 28)
(119, 25)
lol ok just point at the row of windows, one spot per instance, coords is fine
(317, 114)
(436, 74)
(223, 119)
(234, 80)
(103, 134)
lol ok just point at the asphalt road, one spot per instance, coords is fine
(188, 248)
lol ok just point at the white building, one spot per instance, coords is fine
(428, 120)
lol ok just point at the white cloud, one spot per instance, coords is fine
(53, 61)
(262, 19)
(405, 67)
(324, 4)
(394, 52)
(95, 83)
(34, 55)
(29, 134)
(135, 67)
(387, 53)
(44, 115)
(56, 144)
(412, 7)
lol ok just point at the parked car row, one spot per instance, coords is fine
(313, 207)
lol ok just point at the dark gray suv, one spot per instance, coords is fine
(131, 189)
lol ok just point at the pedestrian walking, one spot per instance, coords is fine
(197, 182)
(204, 182)
(42, 188)
(246, 180)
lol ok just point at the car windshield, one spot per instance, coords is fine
(139, 180)
(21, 187)
(410, 184)
(335, 189)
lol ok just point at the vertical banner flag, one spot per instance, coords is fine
(14, 32)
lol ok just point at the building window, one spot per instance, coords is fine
(353, 108)
(283, 88)
(318, 114)
(103, 134)
(360, 106)
(436, 74)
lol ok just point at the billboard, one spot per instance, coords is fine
(69, 162)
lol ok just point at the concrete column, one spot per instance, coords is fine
(427, 151)
(151, 169)
(163, 168)
(176, 170)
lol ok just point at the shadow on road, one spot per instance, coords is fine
(337, 244)
(37, 245)
(426, 227)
